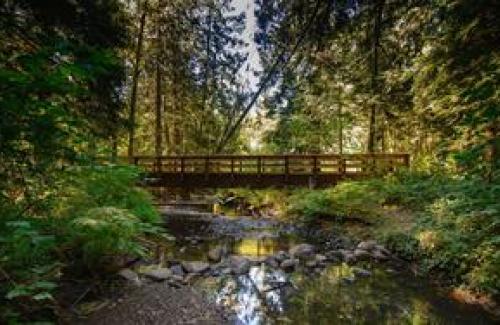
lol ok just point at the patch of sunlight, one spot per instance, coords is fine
(428, 239)
(256, 247)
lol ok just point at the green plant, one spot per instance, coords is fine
(89, 217)
(109, 231)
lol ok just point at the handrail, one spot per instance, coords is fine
(288, 164)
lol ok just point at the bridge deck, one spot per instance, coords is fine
(265, 170)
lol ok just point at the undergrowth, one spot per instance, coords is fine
(454, 228)
(89, 218)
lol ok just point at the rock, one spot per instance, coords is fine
(257, 260)
(195, 267)
(302, 251)
(177, 270)
(226, 271)
(289, 265)
(378, 255)
(361, 254)
(215, 254)
(176, 281)
(367, 245)
(311, 263)
(361, 272)
(157, 274)
(383, 250)
(177, 278)
(320, 258)
(130, 275)
(239, 264)
(281, 256)
(334, 256)
(272, 262)
(347, 256)
(190, 278)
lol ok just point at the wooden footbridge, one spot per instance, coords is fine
(261, 171)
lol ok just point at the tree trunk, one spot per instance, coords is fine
(135, 81)
(114, 147)
(372, 133)
(158, 101)
(341, 130)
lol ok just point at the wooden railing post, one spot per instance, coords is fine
(315, 165)
(158, 164)
(287, 167)
(259, 166)
(182, 167)
(207, 166)
(342, 165)
(232, 166)
(406, 160)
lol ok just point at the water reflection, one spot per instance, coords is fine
(255, 296)
(338, 296)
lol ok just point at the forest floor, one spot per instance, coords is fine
(158, 303)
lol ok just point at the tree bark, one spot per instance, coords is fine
(135, 81)
(158, 101)
(341, 130)
(372, 132)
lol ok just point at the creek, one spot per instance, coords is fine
(335, 293)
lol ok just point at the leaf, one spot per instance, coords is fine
(43, 296)
(45, 285)
(18, 291)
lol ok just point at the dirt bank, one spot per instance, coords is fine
(157, 303)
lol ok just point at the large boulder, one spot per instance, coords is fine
(302, 251)
(195, 267)
(239, 264)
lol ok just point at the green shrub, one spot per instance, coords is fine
(309, 205)
(93, 187)
(89, 215)
(453, 229)
(109, 231)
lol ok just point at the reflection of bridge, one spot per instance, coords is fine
(259, 171)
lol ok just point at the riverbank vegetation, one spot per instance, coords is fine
(448, 224)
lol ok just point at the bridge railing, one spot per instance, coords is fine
(309, 164)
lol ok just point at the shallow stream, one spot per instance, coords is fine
(333, 295)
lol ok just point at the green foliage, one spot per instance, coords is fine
(90, 214)
(454, 229)
(347, 199)
(86, 188)
(108, 231)
(310, 205)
